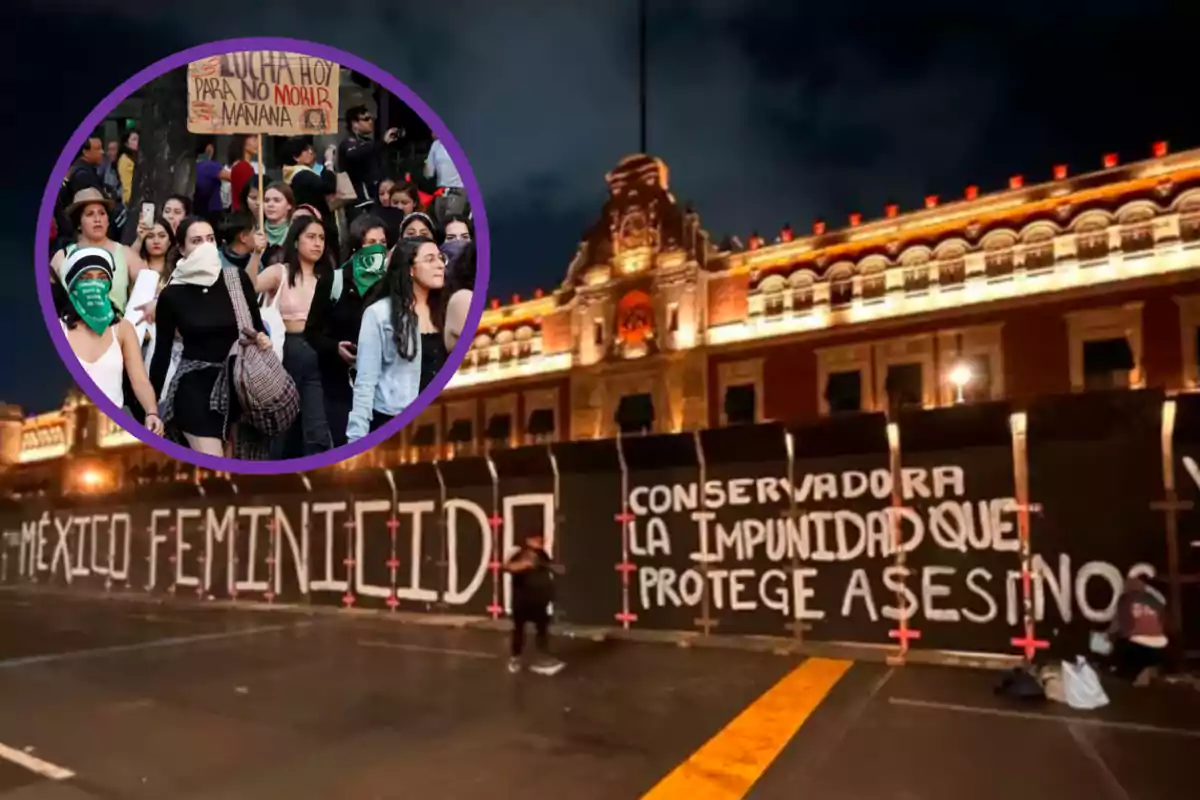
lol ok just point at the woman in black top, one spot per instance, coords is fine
(197, 305)
(335, 316)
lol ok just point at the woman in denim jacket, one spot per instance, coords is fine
(399, 324)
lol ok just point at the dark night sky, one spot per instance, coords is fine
(766, 111)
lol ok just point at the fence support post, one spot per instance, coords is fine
(1171, 506)
(705, 621)
(1029, 644)
(902, 632)
(443, 528)
(624, 519)
(496, 522)
(795, 626)
(393, 524)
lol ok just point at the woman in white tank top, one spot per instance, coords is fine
(107, 347)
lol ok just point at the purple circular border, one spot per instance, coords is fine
(337, 455)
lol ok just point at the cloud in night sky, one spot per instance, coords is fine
(767, 112)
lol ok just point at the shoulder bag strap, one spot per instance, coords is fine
(241, 310)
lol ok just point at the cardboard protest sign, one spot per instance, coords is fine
(263, 91)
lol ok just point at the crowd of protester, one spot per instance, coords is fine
(270, 341)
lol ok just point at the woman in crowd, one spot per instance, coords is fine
(242, 157)
(385, 192)
(292, 284)
(106, 345)
(405, 199)
(418, 225)
(336, 316)
(175, 209)
(278, 205)
(400, 345)
(89, 216)
(154, 244)
(197, 305)
(242, 243)
(458, 292)
(126, 161)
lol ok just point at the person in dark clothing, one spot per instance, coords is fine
(206, 200)
(335, 316)
(312, 189)
(85, 174)
(242, 244)
(533, 570)
(361, 157)
(197, 305)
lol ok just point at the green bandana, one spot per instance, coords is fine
(368, 266)
(276, 231)
(91, 300)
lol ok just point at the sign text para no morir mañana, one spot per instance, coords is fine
(263, 91)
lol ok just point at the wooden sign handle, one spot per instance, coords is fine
(262, 200)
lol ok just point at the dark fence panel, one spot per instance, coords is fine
(761, 530)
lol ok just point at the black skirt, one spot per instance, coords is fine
(193, 412)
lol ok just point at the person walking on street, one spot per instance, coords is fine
(533, 570)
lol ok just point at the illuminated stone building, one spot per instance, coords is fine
(1077, 283)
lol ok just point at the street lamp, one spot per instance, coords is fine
(91, 479)
(959, 377)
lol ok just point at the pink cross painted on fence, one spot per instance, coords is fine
(904, 634)
(348, 599)
(1030, 645)
(624, 517)
(392, 601)
(393, 563)
(626, 617)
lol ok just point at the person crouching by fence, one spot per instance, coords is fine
(533, 570)
(1138, 633)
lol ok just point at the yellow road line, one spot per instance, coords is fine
(732, 761)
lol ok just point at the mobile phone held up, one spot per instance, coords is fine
(147, 214)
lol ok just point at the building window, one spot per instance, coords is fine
(1189, 228)
(998, 265)
(1092, 245)
(1137, 238)
(499, 430)
(740, 405)
(874, 286)
(905, 386)
(1039, 256)
(635, 414)
(841, 292)
(541, 425)
(673, 318)
(598, 332)
(916, 279)
(844, 392)
(1106, 348)
(951, 274)
(1189, 327)
(424, 439)
(461, 436)
(1107, 364)
(773, 304)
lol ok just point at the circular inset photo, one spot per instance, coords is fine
(262, 256)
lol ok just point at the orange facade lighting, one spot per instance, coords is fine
(972, 192)
(1160, 149)
(931, 201)
(1060, 172)
(855, 219)
(1110, 160)
(891, 210)
(1016, 181)
(819, 227)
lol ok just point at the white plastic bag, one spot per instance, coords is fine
(273, 320)
(1100, 644)
(1081, 686)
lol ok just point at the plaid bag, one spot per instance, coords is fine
(267, 394)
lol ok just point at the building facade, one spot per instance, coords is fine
(1079, 283)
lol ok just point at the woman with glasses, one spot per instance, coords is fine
(400, 346)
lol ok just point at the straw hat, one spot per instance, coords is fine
(87, 197)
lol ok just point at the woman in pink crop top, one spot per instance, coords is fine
(292, 284)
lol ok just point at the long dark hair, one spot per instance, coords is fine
(236, 150)
(397, 284)
(359, 230)
(125, 150)
(460, 276)
(175, 254)
(291, 250)
(166, 226)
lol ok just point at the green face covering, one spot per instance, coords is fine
(368, 266)
(276, 231)
(91, 300)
